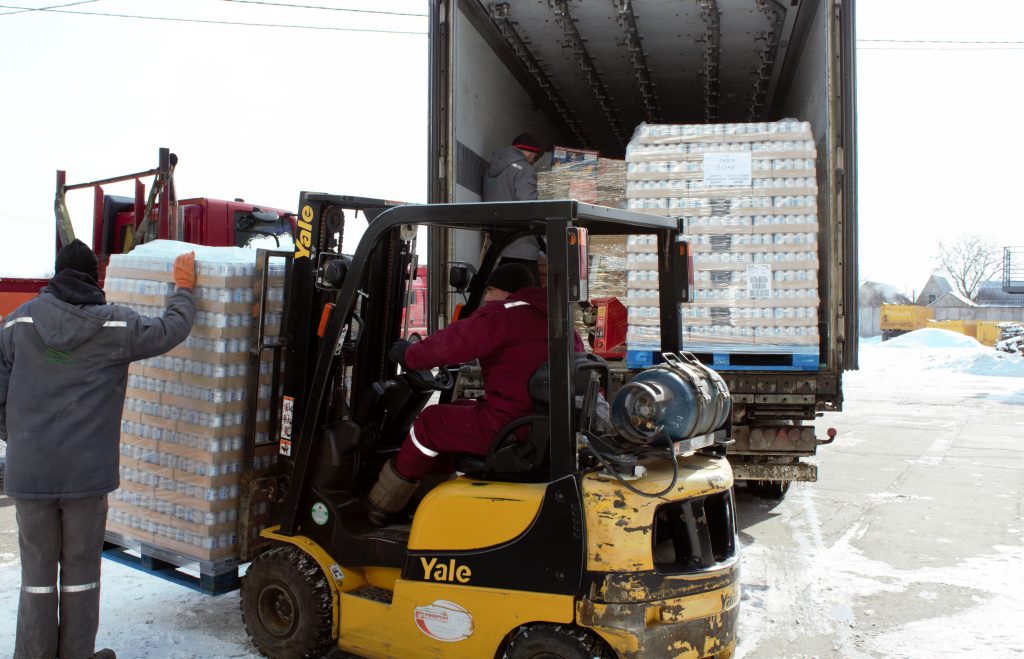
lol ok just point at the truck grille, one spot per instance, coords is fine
(695, 534)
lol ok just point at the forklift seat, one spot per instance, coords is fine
(512, 457)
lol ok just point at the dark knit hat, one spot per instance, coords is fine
(511, 277)
(76, 255)
(527, 142)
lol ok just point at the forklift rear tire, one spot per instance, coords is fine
(556, 642)
(286, 605)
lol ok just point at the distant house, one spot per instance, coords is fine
(991, 294)
(870, 298)
(952, 299)
(990, 304)
(936, 287)
(874, 294)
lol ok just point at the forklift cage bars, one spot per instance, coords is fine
(548, 218)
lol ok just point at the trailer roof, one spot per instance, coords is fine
(514, 214)
(616, 64)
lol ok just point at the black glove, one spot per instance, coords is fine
(397, 352)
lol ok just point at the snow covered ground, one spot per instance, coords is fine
(910, 544)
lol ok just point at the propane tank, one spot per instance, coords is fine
(678, 399)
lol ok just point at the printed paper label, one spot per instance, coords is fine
(444, 621)
(727, 169)
(759, 281)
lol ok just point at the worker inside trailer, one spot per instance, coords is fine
(511, 177)
(509, 335)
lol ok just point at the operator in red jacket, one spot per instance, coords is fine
(509, 335)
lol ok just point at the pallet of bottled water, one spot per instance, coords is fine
(184, 419)
(746, 196)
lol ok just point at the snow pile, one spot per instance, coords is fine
(941, 350)
(931, 339)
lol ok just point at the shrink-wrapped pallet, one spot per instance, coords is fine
(746, 195)
(185, 412)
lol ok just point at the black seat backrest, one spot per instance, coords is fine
(513, 459)
(584, 363)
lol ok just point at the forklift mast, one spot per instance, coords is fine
(314, 329)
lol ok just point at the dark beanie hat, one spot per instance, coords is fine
(527, 142)
(511, 277)
(76, 255)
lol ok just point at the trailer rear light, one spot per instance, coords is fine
(785, 437)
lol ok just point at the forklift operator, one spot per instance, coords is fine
(509, 335)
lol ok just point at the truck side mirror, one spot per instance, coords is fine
(576, 263)
(683, 269)
(460, 275)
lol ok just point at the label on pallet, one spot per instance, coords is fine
(727, 169)
(759, 281)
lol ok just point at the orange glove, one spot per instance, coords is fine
(185, 271)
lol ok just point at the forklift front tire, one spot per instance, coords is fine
(545, 641)
(286, 605)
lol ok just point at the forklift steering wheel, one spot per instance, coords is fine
(425, 380)
(428, 380)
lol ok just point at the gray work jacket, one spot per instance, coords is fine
(64, 359)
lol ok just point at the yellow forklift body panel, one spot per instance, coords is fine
(428, 619)
(499, 512)
(689, 627)
(619, 521)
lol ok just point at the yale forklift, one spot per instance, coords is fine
(582, 536)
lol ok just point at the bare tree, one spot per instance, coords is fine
(969, 260)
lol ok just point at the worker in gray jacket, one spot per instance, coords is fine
(511, 177)
(64, 359)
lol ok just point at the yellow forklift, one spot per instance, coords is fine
(595, 536)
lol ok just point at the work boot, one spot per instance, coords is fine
(105, 653)
(389, 494)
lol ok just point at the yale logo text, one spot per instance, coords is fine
(450, 571)
(305, 238)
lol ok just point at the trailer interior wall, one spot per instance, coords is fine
(807, 97)
(490, 108)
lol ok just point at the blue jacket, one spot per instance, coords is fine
(64, 359)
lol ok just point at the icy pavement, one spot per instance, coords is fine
(910, 544)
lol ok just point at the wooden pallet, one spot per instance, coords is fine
(215, 577)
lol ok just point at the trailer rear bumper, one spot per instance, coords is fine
(798, 471)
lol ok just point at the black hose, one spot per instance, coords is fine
(609, 468)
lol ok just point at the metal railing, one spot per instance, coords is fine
(1013, 269)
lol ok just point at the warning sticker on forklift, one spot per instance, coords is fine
(444, 621)
(287, 416)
